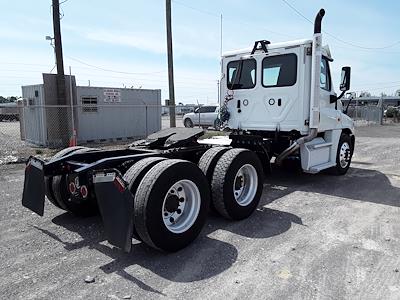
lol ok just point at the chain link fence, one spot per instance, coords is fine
(366, 115)
(27, 129)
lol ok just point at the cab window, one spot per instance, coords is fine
(279, 70)
(325, 76)
(241, 74)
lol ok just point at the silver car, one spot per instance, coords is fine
(204, 116)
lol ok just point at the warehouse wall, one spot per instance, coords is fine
(119, 118)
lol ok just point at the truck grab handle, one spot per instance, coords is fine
(318, 21)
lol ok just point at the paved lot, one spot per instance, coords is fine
(165, 121)
(313, 237)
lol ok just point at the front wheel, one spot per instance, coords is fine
(344, 155)
(171, 205)
(217, 124)
(188, 123)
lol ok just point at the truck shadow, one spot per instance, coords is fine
(204, 258)
(209, 256)
(358, 184)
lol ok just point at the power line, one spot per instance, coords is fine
(156, 73)
(109, 70)
(197, 9)
(235, 20)
(335, 37)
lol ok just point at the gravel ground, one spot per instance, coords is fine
(10, 142)
(313, 237)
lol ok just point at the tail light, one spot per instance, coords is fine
(72, 187)
(84, 191)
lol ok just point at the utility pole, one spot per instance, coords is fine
(60, 78)
(172, 120)
(221, 39)
(59, 54)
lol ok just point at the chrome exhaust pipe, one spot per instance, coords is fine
(314, 99)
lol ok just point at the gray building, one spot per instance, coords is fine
(98, 114)
(384, 101)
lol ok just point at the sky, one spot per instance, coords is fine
(123, 43)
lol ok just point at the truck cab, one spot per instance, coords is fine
(282, 93)
(270, 91)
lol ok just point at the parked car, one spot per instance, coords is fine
(204, 116)
(392, 112)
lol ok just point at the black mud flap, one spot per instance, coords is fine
(116, 208)
(34, 193)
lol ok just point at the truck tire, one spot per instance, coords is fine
(209, 160)
(136, 173)
(343, 155)
(171, 205)
(49, 179)
(237, 184)
(207, 164)
(61, 194)
(217, 124)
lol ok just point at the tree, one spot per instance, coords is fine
(8, 99)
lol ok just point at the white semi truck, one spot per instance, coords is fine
(278, 103)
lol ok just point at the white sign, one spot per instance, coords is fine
(112, 95)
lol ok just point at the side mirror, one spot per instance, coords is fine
(333, 99)
(345, 79)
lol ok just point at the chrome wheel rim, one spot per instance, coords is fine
(181, 206)
(245, 185)
(344, 155)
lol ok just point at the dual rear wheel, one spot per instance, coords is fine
(236, 180)
(57, 191)
(172, 197)
(171, 201)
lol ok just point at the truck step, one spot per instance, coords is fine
(321, 167)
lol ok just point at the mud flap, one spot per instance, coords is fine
(116, 208)
(34, 193)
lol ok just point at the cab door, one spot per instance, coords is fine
(237, 89)
(272, 101)
(330, 117)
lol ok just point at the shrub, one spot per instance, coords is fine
(392, 112)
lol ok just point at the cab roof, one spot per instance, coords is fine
(325, 50)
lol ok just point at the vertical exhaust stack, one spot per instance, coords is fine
(314, 97)
(315, 70)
